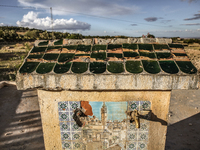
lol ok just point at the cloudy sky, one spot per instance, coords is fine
(163, 18)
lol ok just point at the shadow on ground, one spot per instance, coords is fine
(20, 121)
(184, 135)
(183, 132)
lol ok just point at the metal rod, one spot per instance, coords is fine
(52, 23)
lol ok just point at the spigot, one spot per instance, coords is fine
(134, 117)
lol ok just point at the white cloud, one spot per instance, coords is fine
(2, 24)
(105, 31)
(94, 7)
(31, 20)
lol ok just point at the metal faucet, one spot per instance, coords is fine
(135, 115)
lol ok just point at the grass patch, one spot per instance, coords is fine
(59, 42)
(79, 67)
(145, 47)
(151, 66)
(62, 68)
(97, 67)
(130, 46)
(45, 68)
(38, 49)
(28, 67)
(112, 46)
(160, 46)
(163, 55)
(99, 47)
(99, 56)
(44, 43)
(134, 66)
(114, 55)
(130, 54)
(115, 67)
(85, 48)
(65, 57)
(50, 56)
(187, 67)
(169, 67)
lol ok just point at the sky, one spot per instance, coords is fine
(162, 18)
(115, 110)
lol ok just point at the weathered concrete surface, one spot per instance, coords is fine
(52, 81)
(183, 131)
(20, 123)
(50, 121)
(148, 40)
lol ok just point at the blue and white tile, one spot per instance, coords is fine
(141, 146)
(67, 145)
(63, 106)
(71, 116)
(64, 126)
(75, 127)
(131, 127)
(131, 145)
(132, 105)
(144, 126)
(143, 136)
(65, 136)
(76, 135)
(73, 105)
(131, 136)
(145, 105)
(77, 145)
(64, 116)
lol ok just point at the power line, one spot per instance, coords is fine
(96, 16)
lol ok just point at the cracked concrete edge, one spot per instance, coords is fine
(6, 83)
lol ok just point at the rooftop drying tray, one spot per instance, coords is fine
(107, 65)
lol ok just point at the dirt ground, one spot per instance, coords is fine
(21, 128)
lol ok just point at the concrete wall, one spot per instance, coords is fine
(48, 101)
(52, 81)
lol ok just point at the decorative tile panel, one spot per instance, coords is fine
(107, 128)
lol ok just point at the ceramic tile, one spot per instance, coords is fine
(63, 106)
(64, 116)
(131, 127)
(143, 136)
(75, 127)
(144, 127)
(145, 105)
(71, 116)
(64, 126)
(133, 105)
(73, 105)
(67, 145)
(131, 145)
(141, 146)
(77, 145)
(65, 136)
(132, 136)
(76, 135)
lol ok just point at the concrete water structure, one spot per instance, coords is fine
(137, 72)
